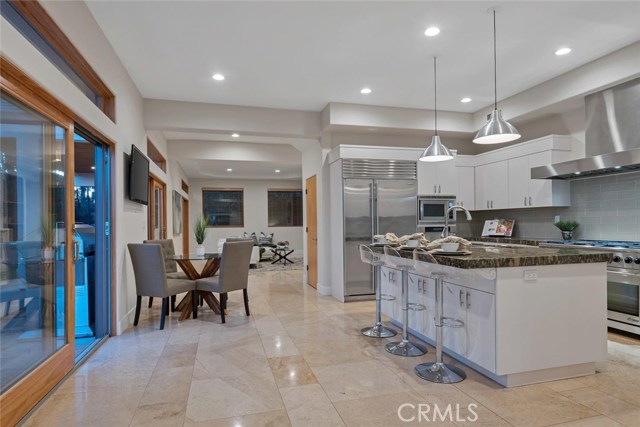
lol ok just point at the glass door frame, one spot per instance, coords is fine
(156, 183)
(26, 393)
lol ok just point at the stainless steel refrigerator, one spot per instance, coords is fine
(380, 196)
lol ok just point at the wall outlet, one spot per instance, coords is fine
(556, 219)
(530, 275)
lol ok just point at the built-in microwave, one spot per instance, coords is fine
(432, 209)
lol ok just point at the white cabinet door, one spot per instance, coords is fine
(427, 178)
(388, 287)
(429, 293)
(447, 178)
(519, 177)
(465, 196)
(455, 339)
(492, 186)
(415, 297)
(541, 190)
(481, 328)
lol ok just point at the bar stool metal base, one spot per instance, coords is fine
(378, 331)
(405, 348)
(438, 372)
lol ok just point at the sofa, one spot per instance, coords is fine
(255, 253)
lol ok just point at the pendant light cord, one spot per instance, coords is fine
(495, 65)
(435, 94)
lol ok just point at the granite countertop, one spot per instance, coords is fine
(507, 240)
(499, 257)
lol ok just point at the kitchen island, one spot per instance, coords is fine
(524, 314)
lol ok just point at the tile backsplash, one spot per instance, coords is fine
(607, 207)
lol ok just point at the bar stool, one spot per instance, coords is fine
(437, 372)
(404, 347)
(376, 260)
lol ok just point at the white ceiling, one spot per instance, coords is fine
(302, 55)
(217, 169)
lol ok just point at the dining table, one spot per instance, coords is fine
(211, 266)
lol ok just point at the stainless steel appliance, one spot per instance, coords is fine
(623, 280)
(612, 144)
(379, 197)
(432, 210)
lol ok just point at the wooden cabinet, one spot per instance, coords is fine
(437, 178)
(466, 194)
(525, 192)
(492, 186)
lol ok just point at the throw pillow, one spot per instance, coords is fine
(265, 239)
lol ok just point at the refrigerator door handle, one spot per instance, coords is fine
(372, 209)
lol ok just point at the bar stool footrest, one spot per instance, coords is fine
(387, 297)
(450, 322)
(416, 307)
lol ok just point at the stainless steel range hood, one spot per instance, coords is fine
(612, 136)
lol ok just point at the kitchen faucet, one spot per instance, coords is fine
(445, 230)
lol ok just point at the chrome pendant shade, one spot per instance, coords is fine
(497, 130)
(436, 152)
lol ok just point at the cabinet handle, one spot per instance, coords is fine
(525, 200)
(487, 204)
(468, 300)
(462, 204)
(530, 202)
(461, 296)
(439, 191)
(434, 189)
(383, 273)
(492, 204)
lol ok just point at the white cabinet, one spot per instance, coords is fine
(476, 340)
(525, 192)
(466, 194)
(492, 186)
(437, 178)
(391, 282)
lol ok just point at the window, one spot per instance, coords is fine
(285, 208)
(223, 207)
(155, 156)
(33, 22)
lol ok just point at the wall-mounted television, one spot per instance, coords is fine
(138, 177)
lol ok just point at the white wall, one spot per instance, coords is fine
(255, 211)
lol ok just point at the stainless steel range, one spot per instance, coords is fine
(623, 280)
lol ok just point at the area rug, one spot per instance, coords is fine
(266, 265)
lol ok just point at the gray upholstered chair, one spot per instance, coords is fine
(234, 274)
(170, 265)
(151, 278)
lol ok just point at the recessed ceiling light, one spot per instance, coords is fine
(218, 76)
(576, 173)
(235, 135)
(365, 91)
(432, 31)
(93, 168)
(57, 160)
(563, 51)
(229, 170)
(465, 100)
(277, 170)
(617, 167)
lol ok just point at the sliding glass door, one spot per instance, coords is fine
(34, 320)
(91, 200)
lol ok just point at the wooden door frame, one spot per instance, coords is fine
(151, 207)
(315, 185)
(185, 226)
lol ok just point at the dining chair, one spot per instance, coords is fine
(233, 276)
(151, 278)
(170, 265)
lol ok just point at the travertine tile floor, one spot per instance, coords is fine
(300, 360)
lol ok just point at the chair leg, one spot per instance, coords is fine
(194, 304)
(165, 309)
(150, 302)
(173, 303)
(201, 300)
(246, 301)
(223, 305)
(137, 316)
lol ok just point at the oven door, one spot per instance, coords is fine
(623, 297)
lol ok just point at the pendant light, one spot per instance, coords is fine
(436, 152)
(496, 130)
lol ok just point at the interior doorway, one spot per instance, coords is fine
(157, 211)
(312, 232)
